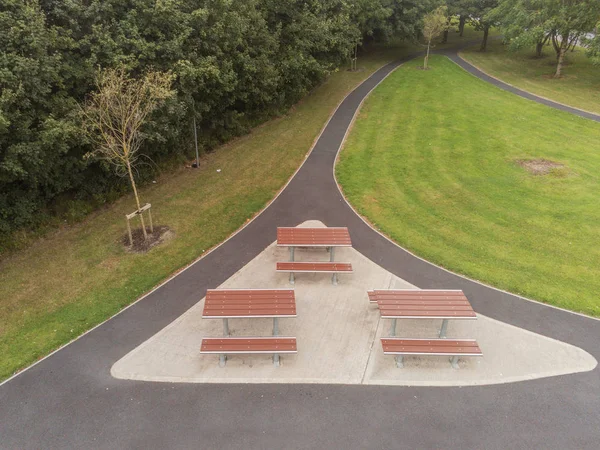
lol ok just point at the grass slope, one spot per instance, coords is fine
(431, 162)
(579, 86)
(76, 277)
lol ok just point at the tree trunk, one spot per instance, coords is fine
(538, 49)
(564, 45)
(555, 45)
(445, 36)
(425, 66)
(137, 199)
(486, 31)
(461, 25)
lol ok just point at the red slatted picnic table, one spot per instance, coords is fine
(249, 303)
(422, 304)
(330, 237)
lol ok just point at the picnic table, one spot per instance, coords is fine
(330, 238)
(249, 303)
(422, 304)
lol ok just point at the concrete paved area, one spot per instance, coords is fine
(338, 335)
(70, 400)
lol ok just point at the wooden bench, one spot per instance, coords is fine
(314, 267)
(248, 345)
(430, 347)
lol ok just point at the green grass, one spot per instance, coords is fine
(431, 161)
(579, 86)
(78, 276)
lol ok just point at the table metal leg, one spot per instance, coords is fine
(222, 360)
(399, 361)
(332, 254)
(292, 279)
(225, 327)
(334, 279)
(444, 328)
(292, 253)
(393, 328)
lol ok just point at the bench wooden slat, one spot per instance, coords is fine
(400, 346)
(322, 267)
(249, 345)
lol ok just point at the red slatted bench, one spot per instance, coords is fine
(328, 237)
(430, 347)
(314, 267)
(422, 304)
(248, 345)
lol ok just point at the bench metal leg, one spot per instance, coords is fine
(292, 278)
(393, 328)
(275, 333)
(292, 253)
(334, 279)
(399, 361)
(454, 362)
(332, 254)
(222, 360)
(225, 327)
(444, 328)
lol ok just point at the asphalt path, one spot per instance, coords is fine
(69, 400)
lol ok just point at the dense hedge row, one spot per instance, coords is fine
(236, 63)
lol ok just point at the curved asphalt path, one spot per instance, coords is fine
(69, 400)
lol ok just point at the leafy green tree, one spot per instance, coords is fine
(479, 11)
(535, 21)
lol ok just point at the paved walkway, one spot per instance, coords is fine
(70, 400)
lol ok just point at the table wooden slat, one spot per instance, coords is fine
(314, 237)
(249, 303)
(414, 303)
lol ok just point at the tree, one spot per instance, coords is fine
(593, 46)
(115, 114)
(563, 22)
(478, 13)
(434, 23)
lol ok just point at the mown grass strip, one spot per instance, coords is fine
(433, 161)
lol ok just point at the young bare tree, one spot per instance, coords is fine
(115, 113)
(434, 24)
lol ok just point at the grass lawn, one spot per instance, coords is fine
(432, 162)
(579, 87)
(76, 277)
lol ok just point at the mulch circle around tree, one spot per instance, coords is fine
(161, 234)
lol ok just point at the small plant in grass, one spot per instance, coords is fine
(114, 116)
(434, 24)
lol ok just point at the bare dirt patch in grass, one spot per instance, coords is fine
(540, 166)
(161, 234)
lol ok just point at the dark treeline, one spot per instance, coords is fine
(237, 62)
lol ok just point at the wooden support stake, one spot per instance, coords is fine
(129, 231)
